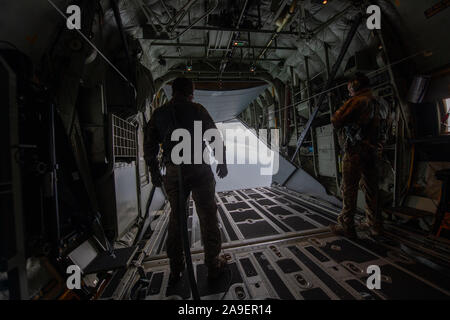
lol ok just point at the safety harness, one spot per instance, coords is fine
(355, 134)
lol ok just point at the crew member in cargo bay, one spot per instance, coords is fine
(357, 122)
(181, 112)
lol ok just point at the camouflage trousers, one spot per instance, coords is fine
(199, 180)
(359, 168)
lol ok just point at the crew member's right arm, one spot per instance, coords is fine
(208, 123)
(349, 112)
(151, 150)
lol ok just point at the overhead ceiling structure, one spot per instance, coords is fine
(239, 39)
(228, 39)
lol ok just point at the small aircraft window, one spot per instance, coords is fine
(445, 117)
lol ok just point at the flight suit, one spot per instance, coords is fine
(197, 178)
(358, 122)
(200, 180)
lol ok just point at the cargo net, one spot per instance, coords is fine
(124, 139)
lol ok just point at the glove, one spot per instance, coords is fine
(222, 170)
(156, 179)
(380, 151)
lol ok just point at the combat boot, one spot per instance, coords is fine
(175, 276)
(364, 226)
(343, 229)
(217, 269)
(374, 230)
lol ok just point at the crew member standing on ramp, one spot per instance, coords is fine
(358, 123)
(197, 178)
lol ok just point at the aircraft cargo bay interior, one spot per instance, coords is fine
(232, 150)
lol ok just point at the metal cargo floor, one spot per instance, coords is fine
(280, 248)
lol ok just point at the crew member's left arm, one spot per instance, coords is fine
(345, 114)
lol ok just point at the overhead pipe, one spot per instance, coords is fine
(215, 58)
(174, 44)
(243, 30)
(330, 21)
(147, 11)
(166, 25)
(183, 11)
(165, 8)
(196, 21)
(280, 10)
(286, 19)
(205, 72)
(146, 14)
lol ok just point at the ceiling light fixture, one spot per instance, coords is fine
(239, 43)
(189, 65)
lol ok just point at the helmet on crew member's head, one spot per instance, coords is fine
(358, 82)
(182, 87)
